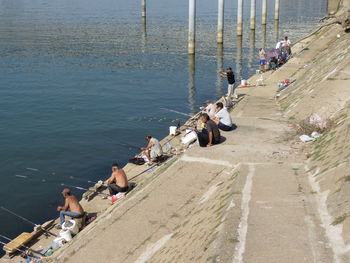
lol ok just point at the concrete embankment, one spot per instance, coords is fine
(260, 196)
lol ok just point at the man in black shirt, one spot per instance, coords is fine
(231, 82)
(210, 134)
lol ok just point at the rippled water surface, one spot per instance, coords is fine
(79, 76)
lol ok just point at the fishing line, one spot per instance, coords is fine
(84, 189)
(26, 220)
(126, 145)
(178, 112)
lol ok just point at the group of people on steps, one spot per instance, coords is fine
(214, 117)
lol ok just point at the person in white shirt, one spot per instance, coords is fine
(286, 42)
(210, 109)
(153, 150)
(286, 46)
(223, 118)
(262, 57)
(279, 44)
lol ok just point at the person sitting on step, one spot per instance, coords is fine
(223, 118)
(153, 150)
(210, 135)
(210, 109)
(118, 182)
(71, 207)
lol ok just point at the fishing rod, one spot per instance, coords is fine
(85, 189)
(149, 168)
(20, 250)
(178, 112)
(27, 220)
(154, 119)
(82, 180)
(30, 249)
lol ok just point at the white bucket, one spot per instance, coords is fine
(66, 235)
(244, 82)
(58, 242)
(257, 72)
(74, 228)
(172, 130)
(190, 137)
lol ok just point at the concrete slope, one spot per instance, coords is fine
(240, 201)
(252, 198)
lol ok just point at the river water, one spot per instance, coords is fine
(78, 77)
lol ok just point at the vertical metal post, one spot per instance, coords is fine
(277, 9)
(220, 33)
(192, 27)
(240, 18)
(252, 14)
(143, 8)
(264, 12)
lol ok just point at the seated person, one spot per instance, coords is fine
(210, 109)
(118, 182)
(273, 63)
(71, 207)
(153, 150)
(210, 134)
(223, 118)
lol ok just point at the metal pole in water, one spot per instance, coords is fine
(143, 8)
(240, 18)
(252, 14)
(192, 27)
(264, 12)
(220, 34)
(277, 9)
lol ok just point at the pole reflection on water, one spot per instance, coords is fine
(276, 30)
(219, 68)
(191, 83)
(264, 36)
(251, 49)
(144, 34)
(239, 43)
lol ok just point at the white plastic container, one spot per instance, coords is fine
(190, 137)
(58, 242)
(172, 130)
(74, 228)
(244, 82)
(66, 235)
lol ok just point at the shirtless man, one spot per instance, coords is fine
(118, 182)
(71, 206)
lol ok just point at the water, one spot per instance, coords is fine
(77, 76)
